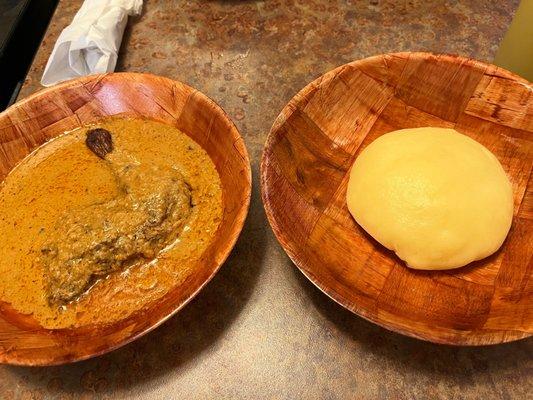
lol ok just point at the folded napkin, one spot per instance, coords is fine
(90, 44)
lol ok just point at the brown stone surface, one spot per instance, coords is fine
(260, 330)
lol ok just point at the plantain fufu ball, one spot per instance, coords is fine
(437, 198)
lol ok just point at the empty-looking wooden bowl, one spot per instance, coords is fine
(53, 111)
(304, 173)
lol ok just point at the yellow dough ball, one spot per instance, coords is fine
(436, 197)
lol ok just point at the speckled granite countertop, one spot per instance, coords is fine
(260, 330)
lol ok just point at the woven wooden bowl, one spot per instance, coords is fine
(40, 117)
(304, 172)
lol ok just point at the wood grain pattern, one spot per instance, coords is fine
(304, 172)
(40, 117)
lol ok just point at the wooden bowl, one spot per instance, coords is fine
(46, 114)
(304, 172)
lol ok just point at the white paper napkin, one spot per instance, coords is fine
(90, 44)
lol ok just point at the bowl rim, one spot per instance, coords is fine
(283, 239)
(239, 219)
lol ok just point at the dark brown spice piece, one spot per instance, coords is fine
(99, 141)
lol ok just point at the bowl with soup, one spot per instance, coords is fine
(121, 196)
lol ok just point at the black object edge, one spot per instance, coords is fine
(21, 48)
